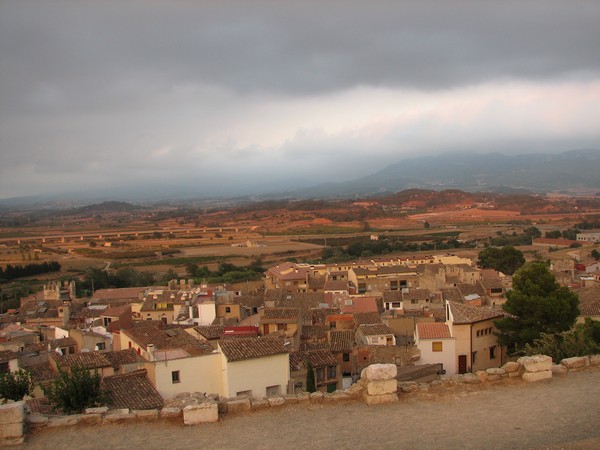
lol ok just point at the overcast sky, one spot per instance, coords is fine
(220, 95)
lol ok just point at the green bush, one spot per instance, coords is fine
(15, 385)
(73, 392)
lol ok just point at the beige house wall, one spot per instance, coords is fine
(196, 374)
(256, 375)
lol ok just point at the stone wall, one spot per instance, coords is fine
(377, 385)
(12, 416)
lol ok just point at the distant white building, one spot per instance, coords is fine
(588, 237)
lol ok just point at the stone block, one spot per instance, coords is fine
(11, 431)
(482, 375)
(36, 420)
(119, 411)
(303, 398)
(471, 378)
(276, 401)
(536, 363)
(594, 360)
(118, 417)
(291, 399)
(259, 403)
(382, 387)
(98, 410)
(559, 369)
(316, 397)
(407, 387)
(12, 413)
(238, 406)
(577, 362)
(355, 390)
(74, 420)
(170, 412)
(495, 371)
(379, 399)
(512, 366)
(206, 412)
(378, 372)
(145, 414)
(532, 377)
(222, 404)
(514, 374)
(337, 397)
(493, 377)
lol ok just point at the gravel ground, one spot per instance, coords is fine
(561, 413)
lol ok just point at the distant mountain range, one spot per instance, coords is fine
(570, 171)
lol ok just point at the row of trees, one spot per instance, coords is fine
(226, 272)
(12, 272)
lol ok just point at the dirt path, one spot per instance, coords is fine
(562, 413)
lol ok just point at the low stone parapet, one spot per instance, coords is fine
(205, 412)
(379, 383)
(12, 417)
(576, 363)
(536, 363)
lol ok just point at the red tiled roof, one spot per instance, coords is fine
(241, 349)
(132, 390)
(379, 329)
(434, 330)
(463, 314)
(341, 340)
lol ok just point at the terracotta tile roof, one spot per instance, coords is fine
(463, 314)
(211, 331)
(89, 360)
(118, 294)
(470, 289)
(132, 390)
(41, 372)
(123, 357)
(589, 301)
(241, 349)
(392, 296)
(306, 347)
(417, 294)
(451, 294)
(62, 343)
(384, 270)
(492, 283)
(341, 340)
(336, 285)
(226, 321)
(7, 355)
(433, 330)
(365, 305)
(319, 315)
(145, 333)
(318, 358)
(313, 332)
(303, 300)
(280, 313)
(316, 282)
(366, 318)
(376, 330)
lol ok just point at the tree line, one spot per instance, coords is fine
(12, 272)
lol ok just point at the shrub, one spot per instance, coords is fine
(73, 392)
(15, 385)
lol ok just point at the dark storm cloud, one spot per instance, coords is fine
(113, 90)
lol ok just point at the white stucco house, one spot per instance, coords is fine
(437, 346)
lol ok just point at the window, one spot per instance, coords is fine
(436, 346)
(395, 304)
(493, 352)
(330, 372)
(4, 367)
(362, 288)
(320, 374)
(273, 391)
(346, 357)
(175, 377)
(393, 285)
(244, 393)
(473, 355)
(227, 309)
(414, 301)
(101, 345)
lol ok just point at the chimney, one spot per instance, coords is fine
(150, 349)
